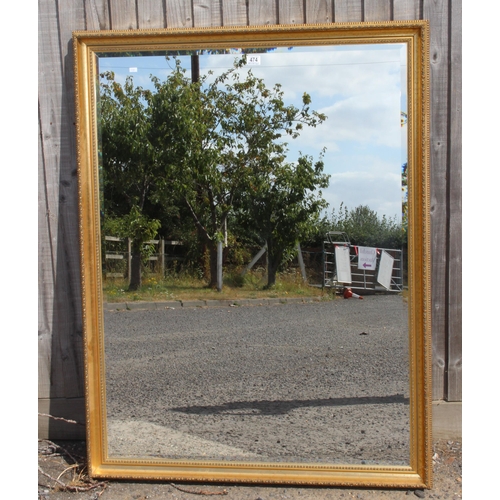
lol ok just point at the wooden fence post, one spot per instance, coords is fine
(301, 263)
(162, 257)
(129, 258)
(254, 260)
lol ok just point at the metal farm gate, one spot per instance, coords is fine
(343, 266)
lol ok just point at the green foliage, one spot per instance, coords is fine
(365, 228)
(404, 182)
(136, 226)
(129, 163)
(235, 280)
(284, 207)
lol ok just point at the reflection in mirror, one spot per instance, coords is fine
(253, 232)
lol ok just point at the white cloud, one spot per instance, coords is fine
(381, 192)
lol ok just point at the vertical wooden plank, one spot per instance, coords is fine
(97, 15)
(437, 12)
(291, 12)
(207, 13)
(377, 10)
(234, 12)
(47, 244)
(151, 14)
(455, 207)
(179, 14)
(71, 17)
(319, 11)
(404, 10)
(348, 11)
(60, 335)
(123, 14)
(262, 12)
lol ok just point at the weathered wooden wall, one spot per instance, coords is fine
(60, 366)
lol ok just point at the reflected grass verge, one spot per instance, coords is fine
(235, 286)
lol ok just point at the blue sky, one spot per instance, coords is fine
(361, 89)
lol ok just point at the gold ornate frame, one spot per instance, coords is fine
(415, 35)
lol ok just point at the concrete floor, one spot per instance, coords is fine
(447, 420)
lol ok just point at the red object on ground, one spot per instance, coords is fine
(348, 293)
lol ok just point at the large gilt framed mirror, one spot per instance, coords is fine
(189, 135)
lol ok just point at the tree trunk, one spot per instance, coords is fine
(135, 272)
(272, 268)
(274, 256)
(212, 247)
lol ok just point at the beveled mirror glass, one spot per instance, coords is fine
(258, 388)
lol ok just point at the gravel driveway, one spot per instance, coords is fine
(300, 382)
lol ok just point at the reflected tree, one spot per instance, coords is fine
(284, 206)
(225, 132)
(130, 166)
(208, 144)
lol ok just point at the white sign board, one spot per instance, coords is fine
(253, 60)
(385, 269)
(367, 258)
(343, 263)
